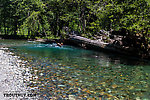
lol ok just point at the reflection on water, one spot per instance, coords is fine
(74, 73)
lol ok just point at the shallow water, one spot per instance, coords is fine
(74, 73)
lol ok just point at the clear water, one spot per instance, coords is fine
(74, 73)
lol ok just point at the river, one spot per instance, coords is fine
(68, 72)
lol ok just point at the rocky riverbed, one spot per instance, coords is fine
(54, 72)
(12, 85)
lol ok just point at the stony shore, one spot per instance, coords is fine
(11, 75)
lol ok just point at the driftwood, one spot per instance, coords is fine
(99, 45)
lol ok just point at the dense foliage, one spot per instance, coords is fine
(55, 18)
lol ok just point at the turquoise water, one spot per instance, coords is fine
(74, 73)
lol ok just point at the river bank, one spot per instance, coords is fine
(113, 46)
(12, 83)
(130, 46)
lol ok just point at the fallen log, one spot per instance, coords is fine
(99, 45)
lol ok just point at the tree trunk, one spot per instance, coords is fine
(99, 45)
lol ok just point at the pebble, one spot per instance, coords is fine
(11, 78)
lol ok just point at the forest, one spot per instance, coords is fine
(53, 19)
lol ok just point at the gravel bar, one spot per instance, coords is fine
(11, 76)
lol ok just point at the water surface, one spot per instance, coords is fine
(74, 73)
